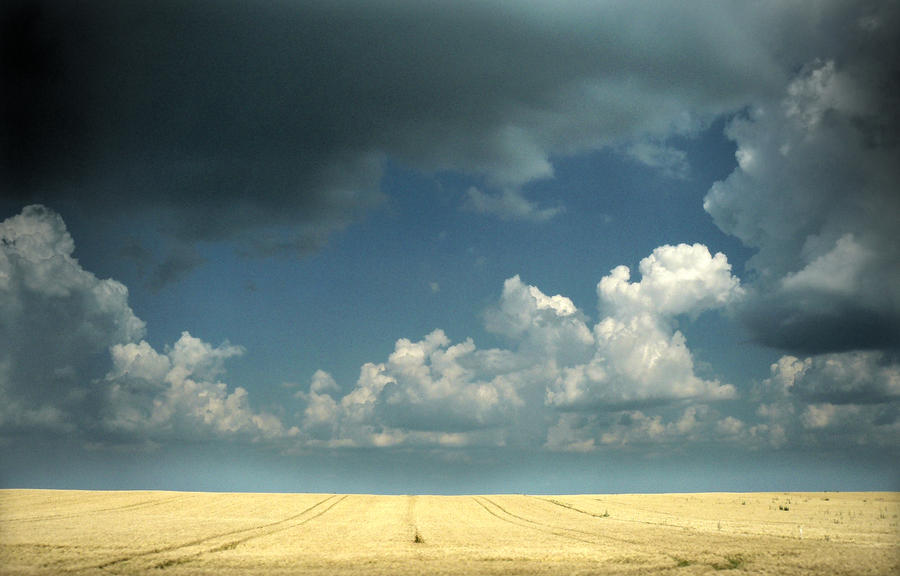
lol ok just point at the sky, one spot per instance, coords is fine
(450, 247)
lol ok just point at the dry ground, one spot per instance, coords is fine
(166, 533)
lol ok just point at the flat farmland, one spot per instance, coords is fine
(87, 532)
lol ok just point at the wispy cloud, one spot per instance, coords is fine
(507, 205)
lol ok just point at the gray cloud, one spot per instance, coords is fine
(815, 191)
(72, 358)
(850, 398)
(57, 321)
(269, 122)
(670, 161)
(508, 205)
(843, 378)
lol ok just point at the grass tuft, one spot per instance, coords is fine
(732, 562)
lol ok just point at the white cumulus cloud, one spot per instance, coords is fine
(556, 365)
(638, 355)
(176, 394)
(682, 279)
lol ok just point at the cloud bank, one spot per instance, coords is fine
(75, 362)
(436, 392)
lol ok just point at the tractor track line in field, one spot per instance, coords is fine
(606, 516)
(235, 543)
(181, 546)
(134, 506)
(411, 520)
(540, 527)
(570, 507)
(602, 535)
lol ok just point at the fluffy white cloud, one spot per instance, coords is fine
(547, 327)
(428, 391)
(638, 355)
(72, 358)
(682, 279)
(176, 394)
(637, 360)
(321, 409)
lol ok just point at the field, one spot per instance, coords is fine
(169, 533)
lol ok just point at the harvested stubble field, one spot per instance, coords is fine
(77, 532)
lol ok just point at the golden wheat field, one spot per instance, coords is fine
(86, 532)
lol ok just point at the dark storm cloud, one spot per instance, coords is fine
(230, 118)
(816, 189)
(269, 123)
(832, 326)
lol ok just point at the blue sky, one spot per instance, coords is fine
(423, 247)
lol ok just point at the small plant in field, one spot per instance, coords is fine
(732, 561)
(605, 514)
(418, 538)
(681, 562)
